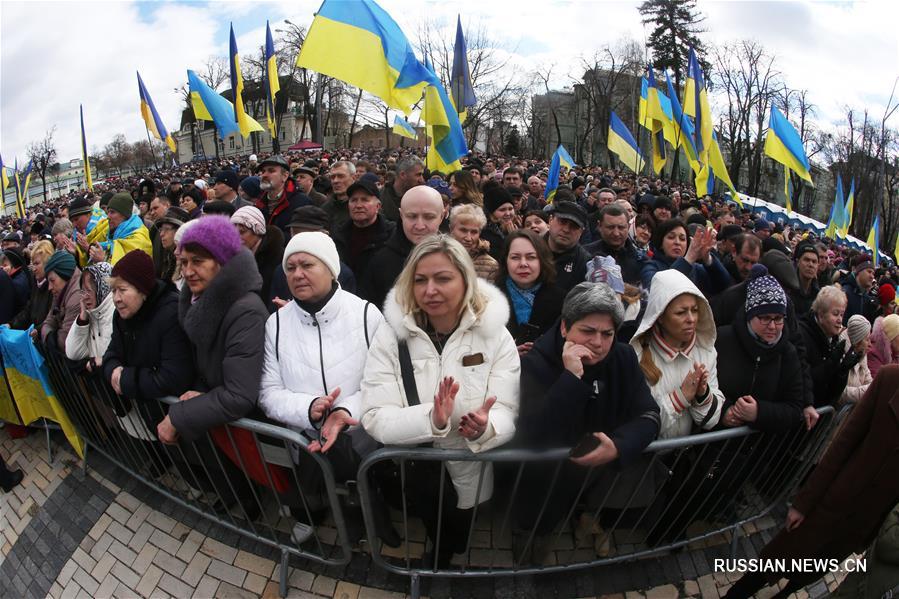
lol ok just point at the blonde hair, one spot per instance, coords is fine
(468, 213)
(827, 297)
(458, 255)
(42, 248)
(647, 364)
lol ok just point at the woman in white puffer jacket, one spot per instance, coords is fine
(675, 344)
(466, 373)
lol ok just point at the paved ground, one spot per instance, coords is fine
(103, 534)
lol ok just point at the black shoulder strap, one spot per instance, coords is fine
(408, 374)
(365, 324)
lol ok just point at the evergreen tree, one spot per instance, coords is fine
(675, 30)
(513, 143)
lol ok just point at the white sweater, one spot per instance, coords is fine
(92, 339)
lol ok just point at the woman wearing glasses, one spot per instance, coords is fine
(757, 364)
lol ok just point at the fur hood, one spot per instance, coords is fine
(491, 322)
(201, 319)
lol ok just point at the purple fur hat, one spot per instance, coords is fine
(216, 235)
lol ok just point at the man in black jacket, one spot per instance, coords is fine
(614, 242)
(421, 212)
(367, 230)
(566, 225)
(859, 288)
(580, 386)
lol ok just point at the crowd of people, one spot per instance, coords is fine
(362, 300)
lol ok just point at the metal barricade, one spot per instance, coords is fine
(242, 476)
(548, 515)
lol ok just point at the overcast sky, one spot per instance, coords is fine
(56, 55)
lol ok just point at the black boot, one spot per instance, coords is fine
(10, 479)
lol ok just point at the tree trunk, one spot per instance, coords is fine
(349, 142)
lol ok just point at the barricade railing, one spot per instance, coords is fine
(548, 515)
(243, 476)
(544, 514)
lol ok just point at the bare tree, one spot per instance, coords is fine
(746, 74)
(42, 155)
(118, 153)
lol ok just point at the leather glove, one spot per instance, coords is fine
(837, 349)
(850, 360)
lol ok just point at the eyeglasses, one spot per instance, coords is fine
(768, 320)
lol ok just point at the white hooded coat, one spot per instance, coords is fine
(677, 412)
(387, 415)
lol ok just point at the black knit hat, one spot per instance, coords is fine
(494, 197)
(310, 218)
(15, 257)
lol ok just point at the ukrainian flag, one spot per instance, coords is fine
(357, 42)
(460, 79)
(402, 127)
(26, 183)
(244, 122)
(682, 128)
(658, 121)
(211, 106)
(850, 206)
(874, 240)
(623, 144)
(88, 180)
(788, 190)
(270, 81)
(784, 145)
(447, 140)
(705, 178)
(26, 375)
(837, 212)
(4, 178)
(696, 105)
(151, 117)
(560, 157)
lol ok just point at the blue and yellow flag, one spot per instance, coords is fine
(447, 140)
(716, 169)
(402, 127)
(658, 122)
(4, 178)
(850, 207)
(211, 106)
(788, 190)
(244, 123)
(270, 81)
(837, 212)
(359, 43)
(561, 158)
(896, 249)
(88, 180)
(461, 90)
(26, 375)
(17, 187)
(696, 105)
(151, 117)
(783, 144)
(874, 240)
(682, 128)
(623, 144)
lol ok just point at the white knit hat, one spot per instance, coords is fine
(250, 217)
(315, 244)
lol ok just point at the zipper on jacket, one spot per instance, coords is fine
(755, 370)
(321, 353)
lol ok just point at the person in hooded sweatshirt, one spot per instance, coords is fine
(90, 333)
(675, 344)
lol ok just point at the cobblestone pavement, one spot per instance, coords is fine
(103, 534)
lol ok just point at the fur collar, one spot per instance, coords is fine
(490, 323)
(201, 319)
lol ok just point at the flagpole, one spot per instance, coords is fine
(152, 153)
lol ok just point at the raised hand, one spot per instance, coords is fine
(474, 424)
(322, 405)
(444, 401)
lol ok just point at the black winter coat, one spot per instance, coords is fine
(380, 233)
(36, 310)
(385, 266)
(544, 314)
(154, 354)
(571, 267)
(828, 379)
(858, 302)
(14, 292)
(557, 408)
(226, 326)
(767, 374)
(268, 258)
(627, 257)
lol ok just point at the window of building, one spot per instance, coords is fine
(230, 143)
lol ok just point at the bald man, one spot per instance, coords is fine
(421, 212)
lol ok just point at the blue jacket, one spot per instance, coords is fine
(711, 279)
